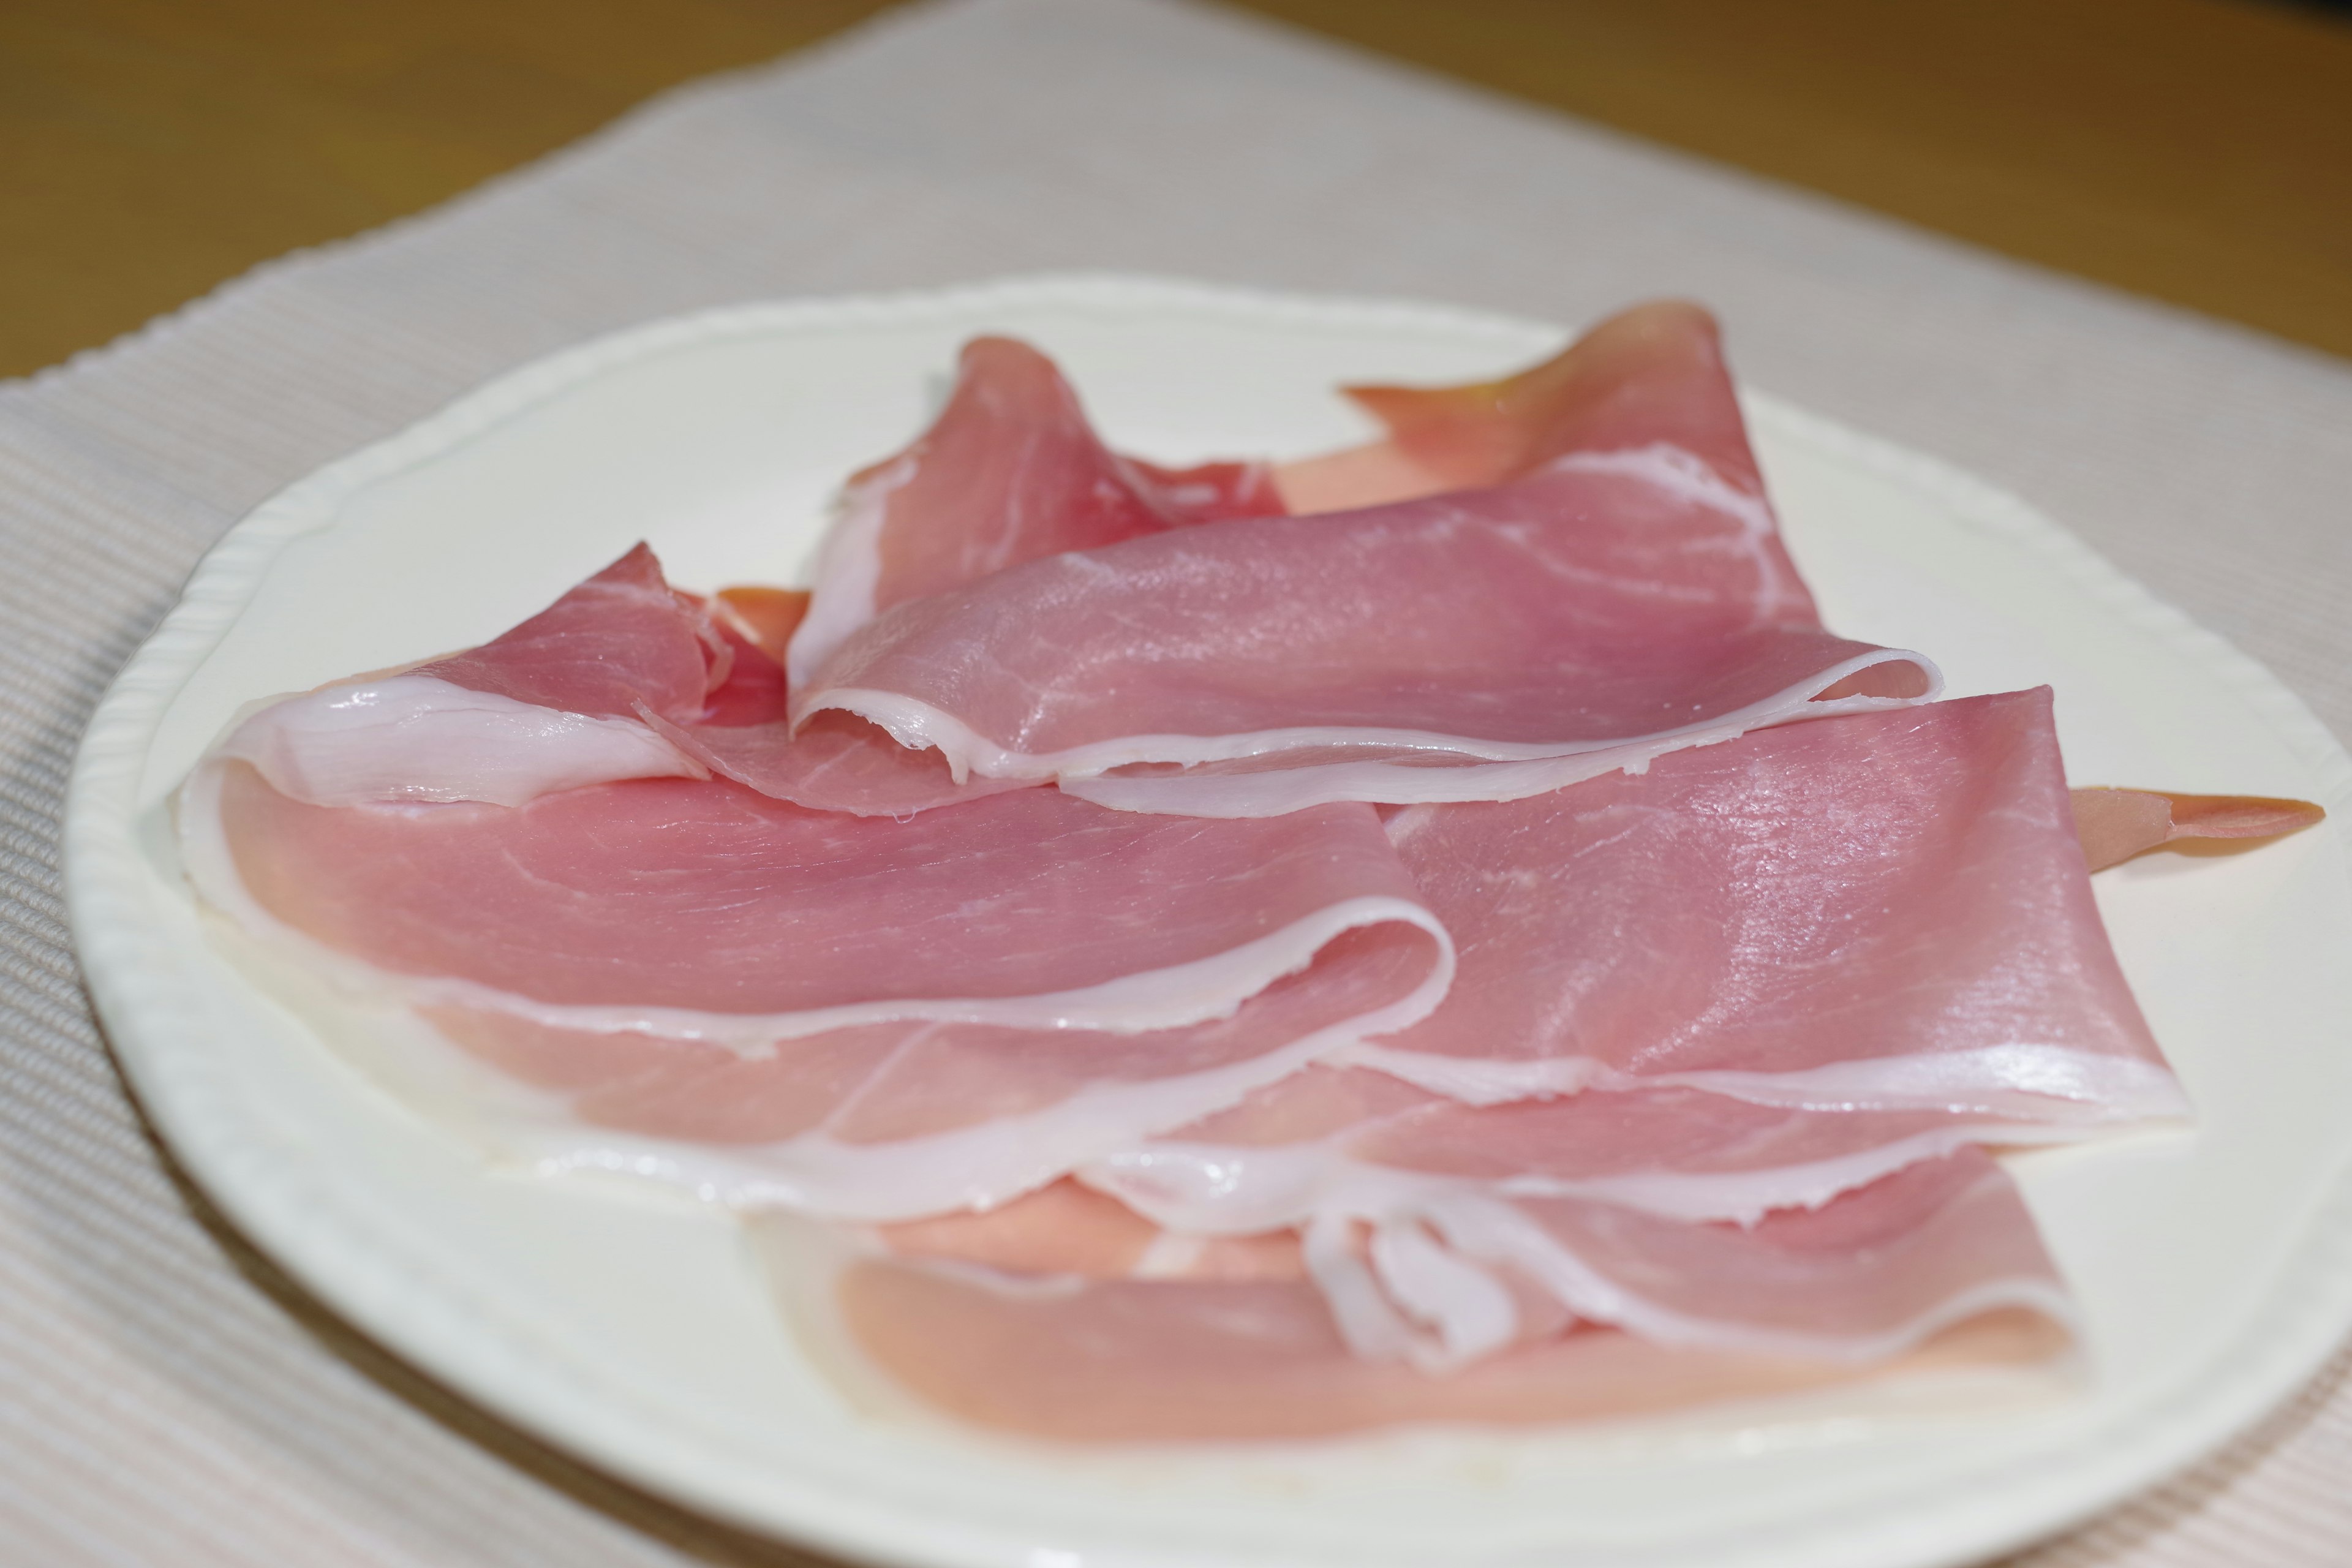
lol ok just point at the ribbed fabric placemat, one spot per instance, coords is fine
(164, 1398)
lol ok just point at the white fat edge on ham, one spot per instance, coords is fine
(849, 571)
(537, 1131)
(1410, 1292)
(1199, 1188)
(1444, 768)
(1466, 1272)
(1197, 991)
(1504, 1234)
(2023, 1080)
(422, 739)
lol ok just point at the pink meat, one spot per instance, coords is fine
(622, 638)
(1364, 1144)
(1255, 1360)
(836, 761)
(1025, 907)
(1887, 911)
(1483, 645)
(1010, 471)
(1652, 373)
(561, 701)
(1719, 1311)
(664, 689)
(898, 1119)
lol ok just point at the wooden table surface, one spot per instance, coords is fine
(2199, 150)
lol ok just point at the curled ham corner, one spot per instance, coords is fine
(1476, 646)
(623, 638)
(1653, 374)
(1010, 471)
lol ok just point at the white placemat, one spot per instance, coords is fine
(164, 1398)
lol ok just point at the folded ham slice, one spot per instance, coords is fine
(623, 677)
(1364, 1143)
(1441, 1233)
(553, 704)
(888, 1121)
(1886, 912)
(1010, 471)
(1486, 645)
(705, 910)
(1255, 1361)
(856, 1016)
(1652, 373)
(1871, 1276)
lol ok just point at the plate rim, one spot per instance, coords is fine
(406, 1303)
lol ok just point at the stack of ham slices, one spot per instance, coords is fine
(1435, 931)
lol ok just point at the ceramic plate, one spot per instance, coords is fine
(2214, 1270)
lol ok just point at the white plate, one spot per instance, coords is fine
(2214, 1271)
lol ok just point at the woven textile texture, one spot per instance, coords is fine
(164, 1397)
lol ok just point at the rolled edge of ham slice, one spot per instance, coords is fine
(1009, 471)
(1236, 1347)
(1359, 1143)
(1494, 643)
(552, 704)
(881, 1121)
(581, 911)
(1653, 372)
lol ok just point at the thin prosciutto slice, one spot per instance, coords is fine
(888, 1120)
(1255, 1361)
(1442, 1233)
(693, 982)
(1485, 645)
(1241, 1351)
(553, 704)
(1010, 471)
(1653, 374)
(623, 677)
(1885, 911)
(1371, 1146)
(708, 910)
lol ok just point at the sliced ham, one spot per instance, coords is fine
(900, 1120)
(1652, 373)
(1442, 1233)
(621, 640)
(836, 761)
(703, 910)
(1068, 1228)
(1361, 1143)
(1486, 645)
(554, 704)
(1010, 471)
(1886, 912)
(666, 687)
(866, 1018)
(1804, 1296)
(1257, 1361)
(1860, 1279)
